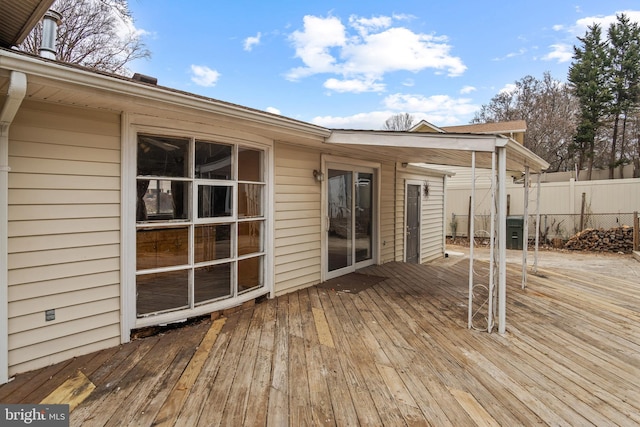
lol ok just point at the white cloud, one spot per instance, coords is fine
(273, 110)
(365, 51)
(563, 50)
(354, 85)
(366, 25)
(509, 87)
(467, 89)
(204, 76)
(604, 21)
(559, 52)
(371, 121)
(314, 43)
(438, 104)
(250, 42)
(440, 110)
(520, 52)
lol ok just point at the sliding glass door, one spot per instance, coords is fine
(350, 216)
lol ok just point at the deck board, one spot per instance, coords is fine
(395, 353)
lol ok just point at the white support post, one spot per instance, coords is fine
(471, 235)
(525, 227)
(502, 239)
(492, 244)
(535, 257)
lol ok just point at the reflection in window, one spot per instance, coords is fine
(212, 242)
(162, 156)
(249, 237)
(250, 274)
(162, 291)
(213, 161)
(161, 200)
(249, 200)
(212, 282)
(249, 165)
(162, 247)
(215, 201)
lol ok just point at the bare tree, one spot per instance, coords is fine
(401, 121)
(97, 34)
(549, 109)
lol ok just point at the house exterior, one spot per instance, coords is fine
(127, 205)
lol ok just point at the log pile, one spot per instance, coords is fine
(617, 239)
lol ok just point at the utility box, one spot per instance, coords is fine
(515, 232)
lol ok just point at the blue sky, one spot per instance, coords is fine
(353, 64)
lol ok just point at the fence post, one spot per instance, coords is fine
(636, 232)
(584, 197)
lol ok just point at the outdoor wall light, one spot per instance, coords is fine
(319, 176)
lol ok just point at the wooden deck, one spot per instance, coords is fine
(395, 353)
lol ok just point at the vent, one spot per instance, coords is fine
(137, 77)
(50, 23)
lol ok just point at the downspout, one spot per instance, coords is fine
(15, 94)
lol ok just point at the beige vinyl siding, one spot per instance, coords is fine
(431, 216)
(64, 234)
(387, 213)
(297, 219)
(432, 227)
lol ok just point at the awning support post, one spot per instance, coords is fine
(525, 227)
(502, 239)
(471, 237)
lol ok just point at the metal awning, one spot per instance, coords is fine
(496, 152)
(447, 149)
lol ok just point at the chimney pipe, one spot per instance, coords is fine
(50, 23)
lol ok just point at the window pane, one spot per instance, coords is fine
(162, 291)
(212, 242)
(161, 200)
(212, 282)
(162, 156)
(364, 216)
(250, 165)
(249, 200)
(250, 274)
(340, 185)
(215, 201)
(213, 161)
(162, 247)
(249, 237)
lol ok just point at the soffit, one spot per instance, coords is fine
(18, 18)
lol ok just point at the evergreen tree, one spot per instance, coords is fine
(588, 77)
(624, 80)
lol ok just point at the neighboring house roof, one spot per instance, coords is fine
(502, 128)
(514, 129)
(18, 18)
(425, 126)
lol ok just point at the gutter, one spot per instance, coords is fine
(15, 94)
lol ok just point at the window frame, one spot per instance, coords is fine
(129, 167)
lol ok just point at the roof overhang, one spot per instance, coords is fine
(18, 18)
(66, 84)
(437, 148)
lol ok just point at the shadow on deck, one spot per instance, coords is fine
(393, 352)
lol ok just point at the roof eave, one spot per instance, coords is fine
(62, 73)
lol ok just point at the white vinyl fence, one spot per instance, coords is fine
(565, 207)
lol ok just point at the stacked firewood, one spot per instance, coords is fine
(617, 239)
